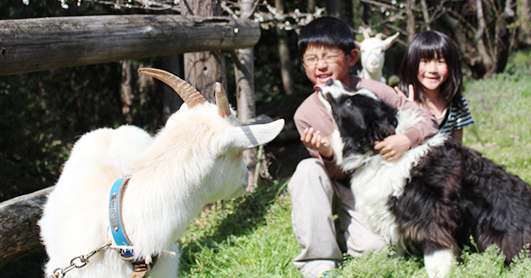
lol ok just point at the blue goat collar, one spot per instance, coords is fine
(115, 211)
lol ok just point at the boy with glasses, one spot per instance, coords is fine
(319, 189)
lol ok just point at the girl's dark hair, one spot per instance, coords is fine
(327, 31)
(425, 45)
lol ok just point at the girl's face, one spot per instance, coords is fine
(322, 63)
(432, 73)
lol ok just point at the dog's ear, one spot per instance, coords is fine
(353, 121)
(386, 123)
(348, 113)
(356, 117)
(362, 120)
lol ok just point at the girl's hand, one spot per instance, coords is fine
(411, 92)
(313, 141)
(393, 147)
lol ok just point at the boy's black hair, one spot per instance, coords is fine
(425, 45)
(326, 31)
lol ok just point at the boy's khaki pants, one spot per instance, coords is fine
(315, 199)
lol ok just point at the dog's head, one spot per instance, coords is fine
(361, 117)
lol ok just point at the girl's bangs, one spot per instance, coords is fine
(430, 50)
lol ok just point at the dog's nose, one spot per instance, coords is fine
(330, 82)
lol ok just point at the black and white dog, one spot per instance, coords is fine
(436, 196)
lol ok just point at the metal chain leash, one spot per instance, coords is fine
(77, 262)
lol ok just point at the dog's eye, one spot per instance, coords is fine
(348, 102)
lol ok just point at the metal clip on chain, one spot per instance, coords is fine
(77, 262)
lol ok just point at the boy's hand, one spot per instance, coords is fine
(411, 92)
(313, 140)
(393, 147)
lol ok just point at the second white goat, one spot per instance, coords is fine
(194, 160)
(373, 55)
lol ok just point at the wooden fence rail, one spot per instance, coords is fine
(19, 233)
(28, 45)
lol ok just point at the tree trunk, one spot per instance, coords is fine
(470, 54)
(171, 101)
(334, 8)
(283, 52)
(244, 75)
(127, 90)
(310, 6)
(147, 87)
(482, 48)
(203, 69)
(503, 35)
(358, 9)
(244, 69)
(410, 19)
(524, 10)
(425, 14)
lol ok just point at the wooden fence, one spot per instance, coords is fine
(19, 233)
(29, 45)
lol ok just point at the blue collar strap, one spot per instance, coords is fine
(115, 211)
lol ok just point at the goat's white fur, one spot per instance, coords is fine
(375, 179)
(195, 159)
(373, 55)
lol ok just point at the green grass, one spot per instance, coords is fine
(252, 236)
(247, 237)
(501, 107)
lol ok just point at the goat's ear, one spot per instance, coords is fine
(389, 41)
(254, 135)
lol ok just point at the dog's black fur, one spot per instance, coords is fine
(453, 192)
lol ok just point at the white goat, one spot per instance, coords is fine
(373, 55)
(194, 160)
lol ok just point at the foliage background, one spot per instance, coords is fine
(43, 113)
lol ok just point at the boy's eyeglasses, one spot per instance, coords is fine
(328, 58)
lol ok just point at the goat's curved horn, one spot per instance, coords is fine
(221, 100)
(189, 94)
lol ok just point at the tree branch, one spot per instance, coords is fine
(482, 49)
